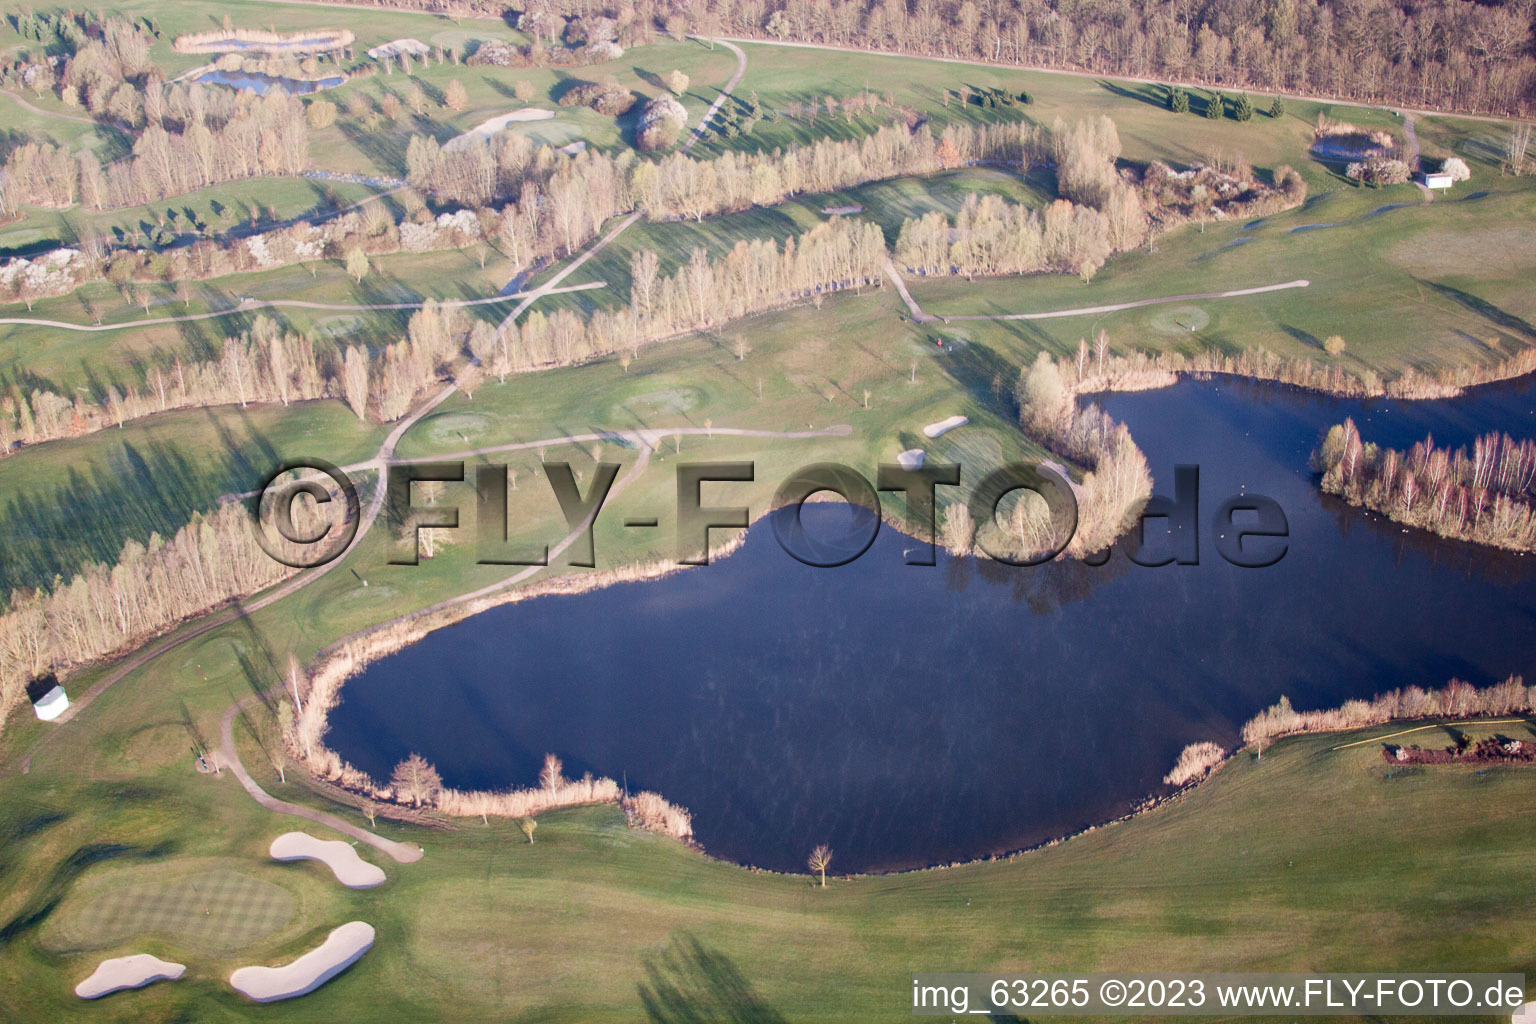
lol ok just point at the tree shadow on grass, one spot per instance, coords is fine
(691, 983)
(1154, 95)
(1485, 309)
(50, 894)
(1307, 338)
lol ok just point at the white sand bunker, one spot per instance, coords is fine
(341, 949)
(122, 972)
(486, 129)
(912, 458)
(350, 869)
(395, 47)
(943, 426)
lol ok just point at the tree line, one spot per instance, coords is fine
(1437, 53)
(753, 276)
(1481, 495)
(267, 136)
(1457, 699)
(104, 609)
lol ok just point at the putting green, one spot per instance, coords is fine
(196, 906)
(1180, 320)
(455, 429)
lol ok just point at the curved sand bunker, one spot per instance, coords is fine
(395, 47)
(943, 426)
(486, 129)
(912, 458)
(122, 972)
(340, 950)
(350, 869)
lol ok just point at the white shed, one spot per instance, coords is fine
(1438, 179)
(48, 698)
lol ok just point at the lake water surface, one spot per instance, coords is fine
(908, 715)
(255, 81)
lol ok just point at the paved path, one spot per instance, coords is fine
(48, 113)
(928, 318)
(229, 758)
(906, 296)
(1414, 167)
(250, 304)
(548, 287)
(725, 94)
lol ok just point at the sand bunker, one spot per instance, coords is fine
(943, 426)
(340, 950)
(395, 47)
(912, 458)
(486, 129)
(122, 972)
(350, 869)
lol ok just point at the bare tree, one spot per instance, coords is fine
(357, 264)
(355, 379)
(1519, 143)
(527, 825)
(818, 861)
(414, 779)
(549, 775)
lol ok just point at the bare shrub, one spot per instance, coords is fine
(1379, 170)
(1456, 699)
(1195, 762)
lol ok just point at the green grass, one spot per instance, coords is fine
(1311, 859)
(1416, 286)
(221, 909)
(221, 208)
(70, 502)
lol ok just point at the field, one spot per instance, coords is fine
(1310, 859)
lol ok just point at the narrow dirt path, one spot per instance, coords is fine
(250, 304)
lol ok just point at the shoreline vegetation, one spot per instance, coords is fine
(1482, 496)
(255, 40)
(1457, 700)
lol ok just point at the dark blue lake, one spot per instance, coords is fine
(909, 716)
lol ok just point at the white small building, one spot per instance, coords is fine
(1438, 179)
(48, 698)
